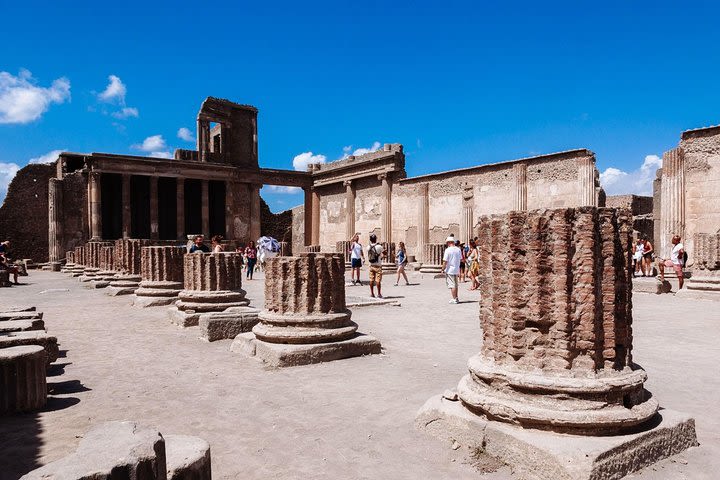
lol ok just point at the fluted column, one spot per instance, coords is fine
(95, 206)
(162, 276)
(423, 221)
(307, 213)
(520, 186)
(432, 257)
(315, 217)
(126, 207)
(350, 209)
(154, 221)
(466, 216)
(205, 207)
(255, 212)
(672, 203)
(55, 220)
(586, 179)
(386, 207)
(23, 381)
(180, 208)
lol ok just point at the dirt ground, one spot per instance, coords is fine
(344, 419)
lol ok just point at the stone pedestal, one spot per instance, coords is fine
(432, 258)
(162, 276)
(213, 283)
(556, 317)
(127, 262)
(32, 337)
(305, 319)
(23, 386)
(123, 284)
(705, 280)
(227, 324)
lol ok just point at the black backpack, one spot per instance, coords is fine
(373, 253)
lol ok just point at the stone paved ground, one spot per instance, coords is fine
(346, 419)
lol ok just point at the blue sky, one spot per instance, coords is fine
(458, 83)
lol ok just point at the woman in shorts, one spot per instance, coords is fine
(356, 257)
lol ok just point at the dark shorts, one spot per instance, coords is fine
(647, 255)
(355, 263)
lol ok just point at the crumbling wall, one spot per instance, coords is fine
(24, 213)
(276, 225)
(642, 211)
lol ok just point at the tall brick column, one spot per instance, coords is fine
(305, 319)
(556, 356)
(162, 276)
(432, 258)
(128, 264)
(213, 283)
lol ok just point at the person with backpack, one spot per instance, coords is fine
(375, 252)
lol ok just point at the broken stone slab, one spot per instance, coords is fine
(17, 308)
(23, 385)
(288, 355)
(540, 454)
(32, 337)
(112, 450)
(31, 315)
(21, 325)
(188, 458)
(227, 324)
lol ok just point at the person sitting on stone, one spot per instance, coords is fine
(4, 246)
(216, 242)
(375, 254)
(10, 268)
(676, 261)
(199, 245)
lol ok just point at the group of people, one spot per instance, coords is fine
(249, 253)
(644, 254)
(375, 256)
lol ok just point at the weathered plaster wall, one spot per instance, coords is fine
(333, 211)
(702, 183)
(368, 193)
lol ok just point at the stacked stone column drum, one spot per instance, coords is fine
(162, 276)
(556, 319)
(128, 264)
(432, 258)
(305, 319)
(93, 256)
(23, 385)
(213, 283)
(706, 271)
(78, 266)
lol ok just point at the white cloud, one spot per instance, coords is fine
(638, 181)
(164, 154)
(301, 161)
(126, 112)
(362, 151)
(282, 189)
(49, 157)
(22, 101)
(7, 173)
(153, 143)
(185, 134)
(115, 91)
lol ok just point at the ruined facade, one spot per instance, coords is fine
(372, 194)
(687, 190)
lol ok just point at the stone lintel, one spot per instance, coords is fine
(538, 454)
(288, 355)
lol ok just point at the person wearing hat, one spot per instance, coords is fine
(451, 266)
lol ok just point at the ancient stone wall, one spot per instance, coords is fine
(24, 213)
(276, 225)
(74, 210)
(213, 272)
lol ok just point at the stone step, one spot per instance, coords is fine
(21, 325)
(32, 337)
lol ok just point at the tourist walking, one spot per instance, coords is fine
(676, 261)
(463, 258)
(251, 256)
(199, 245)
(356, 258)
(638, 257)
(451, 266)
(216, 243)
(473, 260)
(648, 253)
(375, 254)
(401, 261)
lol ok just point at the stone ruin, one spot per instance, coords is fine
(127, 263)
(127, 450)
(705, 280)
(432, 258)
(343, 249)
(92, 259)
(213, 283)
(162, 276)
(556, 317)
(305, 319)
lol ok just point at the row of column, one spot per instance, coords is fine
(234, 193)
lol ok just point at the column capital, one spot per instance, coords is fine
(383, 176)
(347, 183)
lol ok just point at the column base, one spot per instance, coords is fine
(155, 294)
(228, 324)
(288, 355)
(539, 454)
(123, 285)
(429, 268)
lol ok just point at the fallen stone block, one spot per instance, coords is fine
(21, 325)
(31, 315)
(540, 454)
(23, 386)
(188, 458)
(32, 337)
(228, 324)
(113, 450)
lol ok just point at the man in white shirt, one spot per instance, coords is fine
(451, 266)
(676, 261)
